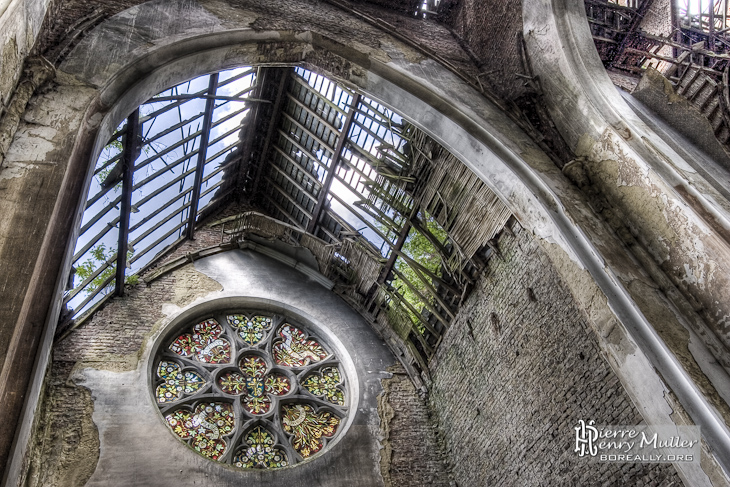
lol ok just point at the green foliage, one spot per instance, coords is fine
(419, 248)
(112, 148)
(99, 255)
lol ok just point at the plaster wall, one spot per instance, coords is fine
(122, 439)
(20, 23)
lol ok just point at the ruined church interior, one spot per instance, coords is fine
(363, 242)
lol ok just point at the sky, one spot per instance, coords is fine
(150, 227)
(154, 215)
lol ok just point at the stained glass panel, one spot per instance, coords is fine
(308, 427)
(294, 350)
(205, 427)
(232, 383)
(324, 383)
(250, 361)
(261, 452)
(254, 384)
(251, 330)
(204, 343)
(176, 382)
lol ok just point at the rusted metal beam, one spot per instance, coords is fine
(631, 50)
(388, 267)
(635, 21)
(611, 6)
(131, 150)
(677, 45)
(274, 122)
(711, 33)
(205, 97)
(249, 123)
(336, 156)
(202, 152)
(604, 39)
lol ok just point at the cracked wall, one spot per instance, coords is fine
(517, 370)
(98, 424)
(411, 454)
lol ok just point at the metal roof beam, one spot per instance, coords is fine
(334, 164)
(131, 150)
(202, 151)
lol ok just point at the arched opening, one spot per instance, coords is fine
(393, 218)
(458, 118)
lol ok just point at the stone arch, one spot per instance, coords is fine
(439, 102)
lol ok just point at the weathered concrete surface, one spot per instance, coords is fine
(657, 93)
(20, 22)
(35, 181)
(38, 71)
(137, 448)
(35, 167)
(646, 192)
(681, 219)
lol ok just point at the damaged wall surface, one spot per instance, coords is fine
(633, 234)
(528, 364)
(98, 395)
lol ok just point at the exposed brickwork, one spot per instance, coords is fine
(66, 445)
(516, 372)
(116, 332)
(205, 236)
(411, 455)
(658, 20)
(492, 34)
(493, 31)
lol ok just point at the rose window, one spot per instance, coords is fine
(250, 389)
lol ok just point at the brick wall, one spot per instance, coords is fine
(411, 454)
(65, 447)
(493, 31)
(658, 20)
(515, 373)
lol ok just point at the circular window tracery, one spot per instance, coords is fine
(251, 389)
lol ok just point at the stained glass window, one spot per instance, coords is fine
(251, 389)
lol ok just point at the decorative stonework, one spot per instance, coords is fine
(251, 389)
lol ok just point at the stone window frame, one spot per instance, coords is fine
(245, 421)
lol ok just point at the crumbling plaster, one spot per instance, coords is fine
(111, 365)
(137, 448)
(20, 22)
(116, 78)
(644, 189)
(666, 204)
